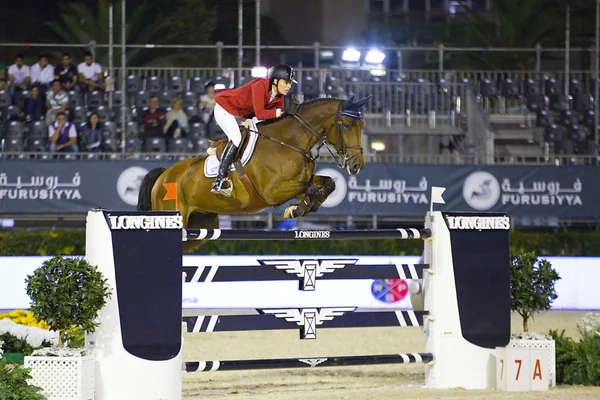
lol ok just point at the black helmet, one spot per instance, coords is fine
(282, 71)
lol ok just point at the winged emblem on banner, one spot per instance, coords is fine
(300, 267)
(298, 315)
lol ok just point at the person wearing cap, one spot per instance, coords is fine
(261, 98)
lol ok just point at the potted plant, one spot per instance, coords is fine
(67, 293)
(13, 382)
(532, 290)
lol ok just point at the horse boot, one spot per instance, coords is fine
(222, 184)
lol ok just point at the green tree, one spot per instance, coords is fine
(532, 285)
(80, 23)
(516, 24)
(509, 23)
(191, 22)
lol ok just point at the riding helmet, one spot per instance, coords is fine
(282, 71)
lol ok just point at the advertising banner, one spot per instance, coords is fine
(385, 189)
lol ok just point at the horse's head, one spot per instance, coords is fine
(346, 137)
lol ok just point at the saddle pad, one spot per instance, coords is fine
(211, 166)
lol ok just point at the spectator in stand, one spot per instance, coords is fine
(176, 124)
(153, 119)
(66, 73)
(56, 101)
(207, 102)
(93, 133)
(3, 79)
(35, 109)
(19, 75)
(63, 135)
(90, 74)
(42, 74)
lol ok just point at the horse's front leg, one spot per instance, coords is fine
(319, 189)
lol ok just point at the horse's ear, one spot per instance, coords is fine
(349, 103)
(362, 102)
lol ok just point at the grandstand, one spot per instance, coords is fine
(419, 116)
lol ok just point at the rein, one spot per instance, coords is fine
(322, 139)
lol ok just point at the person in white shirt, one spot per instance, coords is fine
(56, 101)
(90, 74)
(42, 73)
(19, 75)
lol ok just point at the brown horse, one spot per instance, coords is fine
(280, 169)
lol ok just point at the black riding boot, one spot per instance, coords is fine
(222, 184)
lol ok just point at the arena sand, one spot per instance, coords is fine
(395, 381)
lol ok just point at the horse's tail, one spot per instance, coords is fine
(145, 195)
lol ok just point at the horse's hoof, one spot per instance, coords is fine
(289, 212)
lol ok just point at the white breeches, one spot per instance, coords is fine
(229, 124)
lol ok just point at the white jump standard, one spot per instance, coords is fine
(464, 297)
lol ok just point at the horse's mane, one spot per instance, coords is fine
(300, 107)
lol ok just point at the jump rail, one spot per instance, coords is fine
(357, 234)
(237, 365)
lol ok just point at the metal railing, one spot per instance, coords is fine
(435, 159)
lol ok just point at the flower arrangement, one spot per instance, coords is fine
(530, 336)
(17, 338)
(590, 323)
(25, 317)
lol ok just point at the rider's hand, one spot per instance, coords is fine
(278, 112)
(247, 123)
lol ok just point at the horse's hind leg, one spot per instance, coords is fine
(198, 220)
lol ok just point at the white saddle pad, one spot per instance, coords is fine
(211, 166)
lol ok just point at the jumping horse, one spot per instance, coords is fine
(281, 168)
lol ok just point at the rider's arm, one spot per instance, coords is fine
(258, 102)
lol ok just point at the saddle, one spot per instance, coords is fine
(218, 145)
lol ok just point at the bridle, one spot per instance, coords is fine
(341, 154)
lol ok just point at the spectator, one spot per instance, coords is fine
(153, 119)
(19, 75)
(207, 102)
(93, 133)
(3, 78)
(90, 74)
(56, 101)
(35, 109)
(63, 135)
(42, 73)
(176, 124)
(66, 73)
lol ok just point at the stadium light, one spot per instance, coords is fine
(377, 145)
(351, 55)
(259, 72)
(377, 72)
(374, 57)
(326, 54)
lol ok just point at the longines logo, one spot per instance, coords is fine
(313, 362)
(308, 270)
(308, 318)
(146, 222)
(311, 234)
(479, 223)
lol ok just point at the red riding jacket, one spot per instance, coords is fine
(251, 100)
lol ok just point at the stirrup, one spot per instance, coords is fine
(218, 188)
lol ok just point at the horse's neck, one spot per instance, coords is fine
(298, 135)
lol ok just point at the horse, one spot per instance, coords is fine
(281, 167)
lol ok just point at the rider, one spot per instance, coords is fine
(261, 98)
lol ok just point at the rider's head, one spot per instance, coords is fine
(281, 78)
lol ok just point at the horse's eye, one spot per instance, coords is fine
(347, 126)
